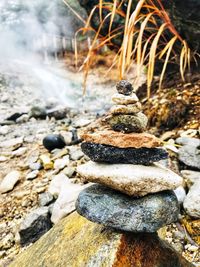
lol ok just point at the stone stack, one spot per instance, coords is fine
(133, 192)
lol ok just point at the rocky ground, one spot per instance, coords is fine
(33, 177)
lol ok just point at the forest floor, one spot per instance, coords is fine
(23, 141)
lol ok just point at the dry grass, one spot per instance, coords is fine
(145, 32)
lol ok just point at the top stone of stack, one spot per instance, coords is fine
(126, 115)
(124, 87)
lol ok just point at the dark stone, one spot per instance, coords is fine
(58, 114)
(38, 112)
(36, 224)
(124, 87)
(111, 154)
(53, 141)
(15, 116)
(146, 214)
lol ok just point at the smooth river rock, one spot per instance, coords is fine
(124, 99)
(117, 139)
(191, 203)
(110, 154)
(133, 180)
(128, 109)
(77, 242)
(102, 205)
(53, 141)
(129, 123)
(9, 181)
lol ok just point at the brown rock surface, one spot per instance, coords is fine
(128, 109)
(76, 242)
(118, 139)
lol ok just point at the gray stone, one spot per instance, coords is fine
(9, 181)
(124, 87)
(75, 153)
(191, 177)
(129, 123)
(110, 208)
(36, 224)
(110, 154)
(45, 199)
(190, 156)
(191, 203)
(188, 141)
(38, 112)
(32, 175)
(35, 166)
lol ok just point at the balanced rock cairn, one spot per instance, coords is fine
(133, 192)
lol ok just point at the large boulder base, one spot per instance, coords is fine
(110, 154)
(118, 139)
(146, 214)
(76, 242)
(133, 180)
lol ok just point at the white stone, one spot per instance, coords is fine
(23, 118)
(19, 152)
(9, 181)
(124, 99)
(191, 177)
(4, 130)
(66, 200)
(75, 153)
(14, 143)
(191, 203)
(59, 181)
(69, 171)
(3, 158)
(60, 164)
(180, 194)
(134, 180)
(32, 175)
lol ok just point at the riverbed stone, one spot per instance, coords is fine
(53, 141)
(120, 99)
(191, 203)
(110, 154)
(146, 214)
(133, 180)
(118, 139)
(9, 181)
(126, 109)
(34, 226)
(129, 123)
(124, 87)
(90, 244)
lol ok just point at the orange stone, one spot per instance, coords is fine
(118, 139)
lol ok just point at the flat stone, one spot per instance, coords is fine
(129, 123)
(32, 175)
(9, 181)
(124, 87)
(110, 154)
(188, 141)
(191, 203)
(34, 226)
(133, 180)
(190, 176)
(126, 109)
(147, 214)
(77, 242)
(124, 100)
(60, 164)
(117, 139)
(180, 194)
(59, 181)
(12, 143)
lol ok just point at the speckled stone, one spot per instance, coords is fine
(124, 87)
(126, 109)
(124, 99)
(147, 214)
(129, 123)
(110, 154)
